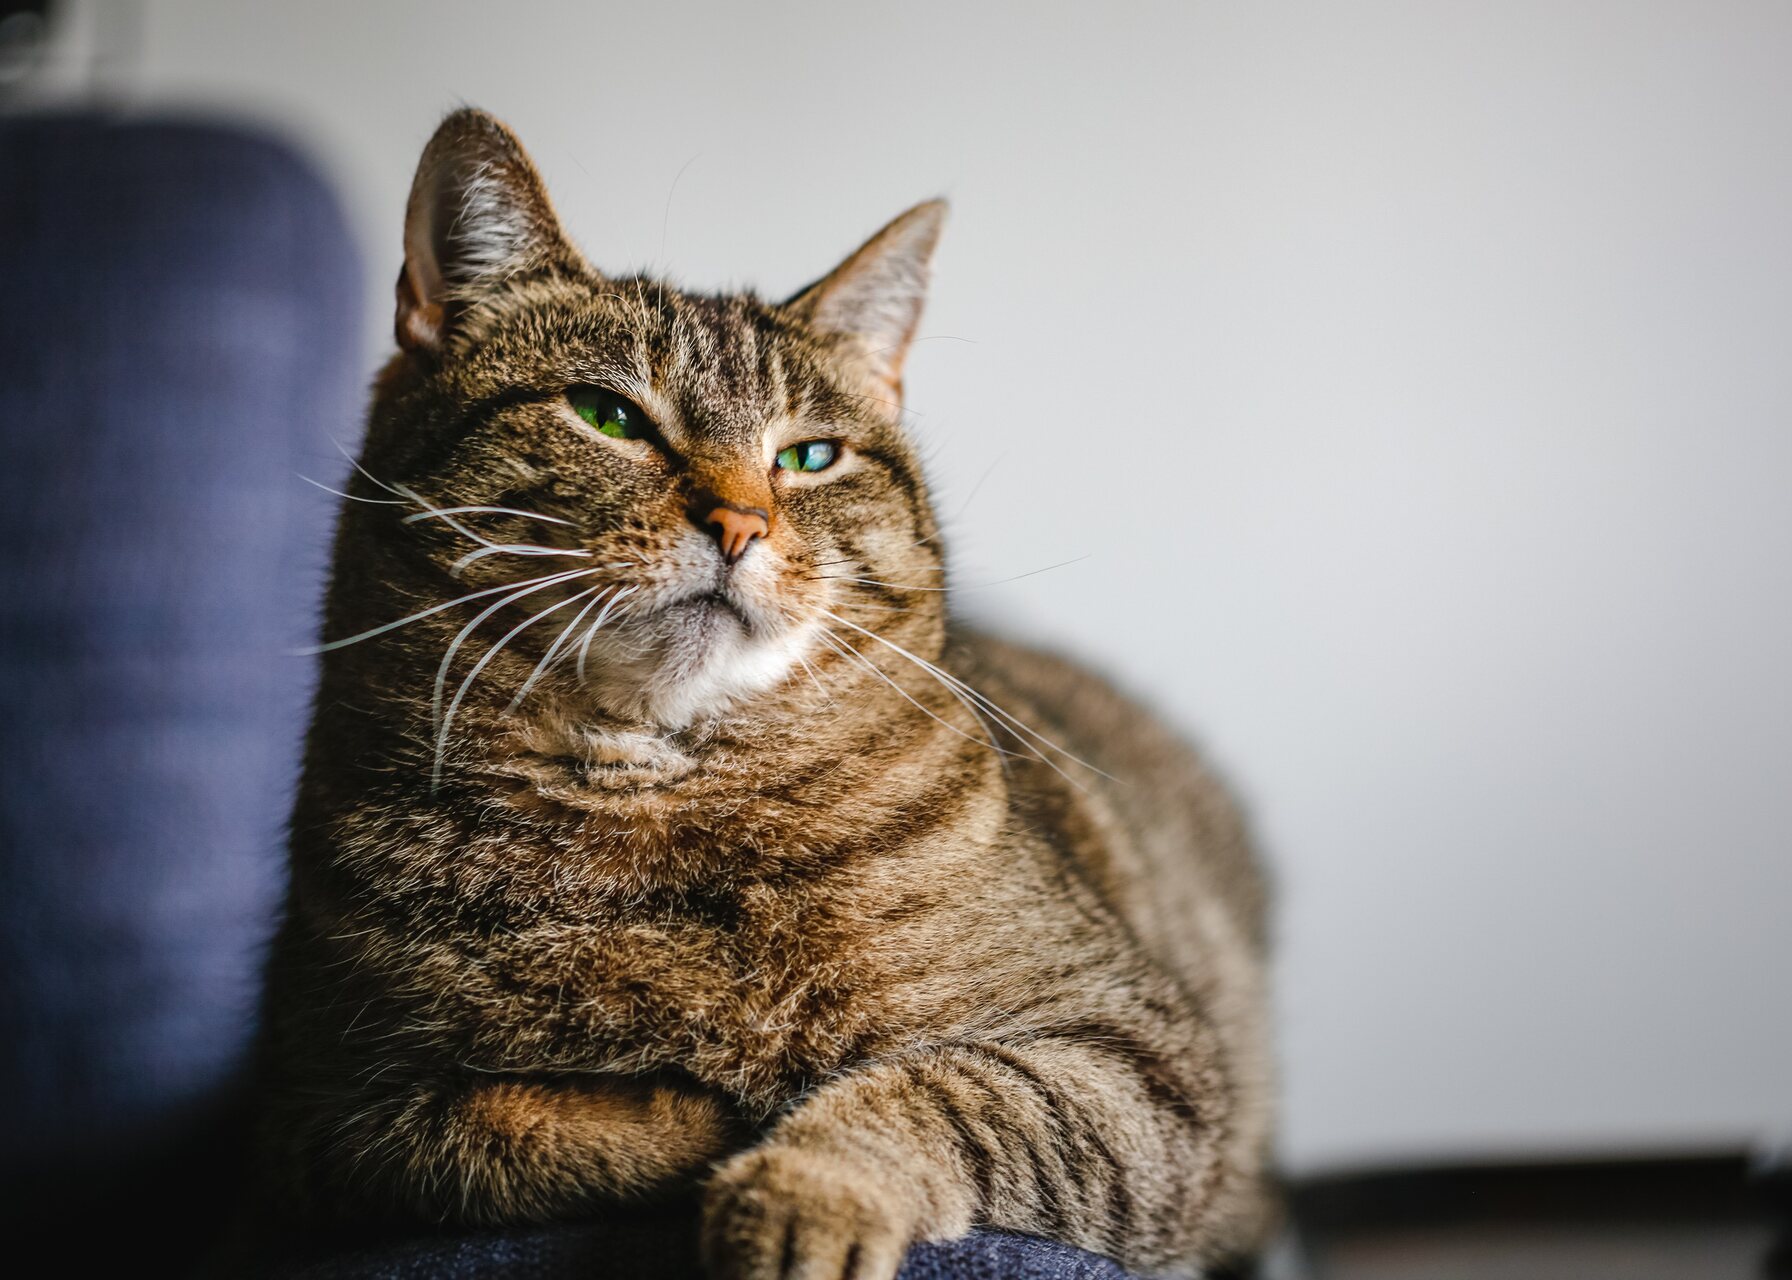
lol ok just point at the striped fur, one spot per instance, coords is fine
(757, 906)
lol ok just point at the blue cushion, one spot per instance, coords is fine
(655, 1244)
(178, 339)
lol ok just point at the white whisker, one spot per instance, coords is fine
(447, 722)
(878, 608)
(384, 502)
(597, 625)
(814, 678)
(567, 631)
(918, 542)
(432, 510)
(975, 586)
(978, 487)
(982, 721)
(1015, 726)
(355, 463)
(873, 582)
(488, 611)
(433, 609)
(846, 650)
(441, 512)
(512, 549)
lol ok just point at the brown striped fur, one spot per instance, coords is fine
(752, 904)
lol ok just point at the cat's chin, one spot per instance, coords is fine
(692, 661)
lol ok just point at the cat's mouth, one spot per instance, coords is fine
(720, 609)
(712, 608)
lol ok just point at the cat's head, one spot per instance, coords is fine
(723, 484)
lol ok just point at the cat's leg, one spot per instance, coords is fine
(491, 1150)
(1092, 1142)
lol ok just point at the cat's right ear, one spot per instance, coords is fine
(478, 215)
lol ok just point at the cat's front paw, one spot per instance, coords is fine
(789, 1214)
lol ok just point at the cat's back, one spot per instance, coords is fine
(1161, 837)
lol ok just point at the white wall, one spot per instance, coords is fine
(1417, 378)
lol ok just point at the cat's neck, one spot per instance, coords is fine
(646, 811)
(570, 750)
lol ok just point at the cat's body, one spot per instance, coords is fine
(732, 894)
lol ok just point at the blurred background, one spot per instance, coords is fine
(1410, 385)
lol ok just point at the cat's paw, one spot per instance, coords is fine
(790, 1214)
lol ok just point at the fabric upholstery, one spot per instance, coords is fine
(657, 1244)
(178, 339)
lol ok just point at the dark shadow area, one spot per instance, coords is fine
(1711, 1216)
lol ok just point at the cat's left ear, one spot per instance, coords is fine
(478, 215)
(876, 294)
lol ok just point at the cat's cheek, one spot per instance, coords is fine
(777, 1213)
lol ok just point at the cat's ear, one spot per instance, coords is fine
(876, 295)
(478, 215)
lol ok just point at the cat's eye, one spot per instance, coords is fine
(609, 413)
(810, 455)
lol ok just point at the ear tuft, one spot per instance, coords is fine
(478, 214)
(876, 295)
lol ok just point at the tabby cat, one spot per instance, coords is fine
(659, 830)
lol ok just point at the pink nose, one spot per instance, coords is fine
(735, 530)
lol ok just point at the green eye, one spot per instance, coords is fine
(608, 412)
(810, 455)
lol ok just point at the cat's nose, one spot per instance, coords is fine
(734, 527)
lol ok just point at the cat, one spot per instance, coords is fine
(659, 831)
